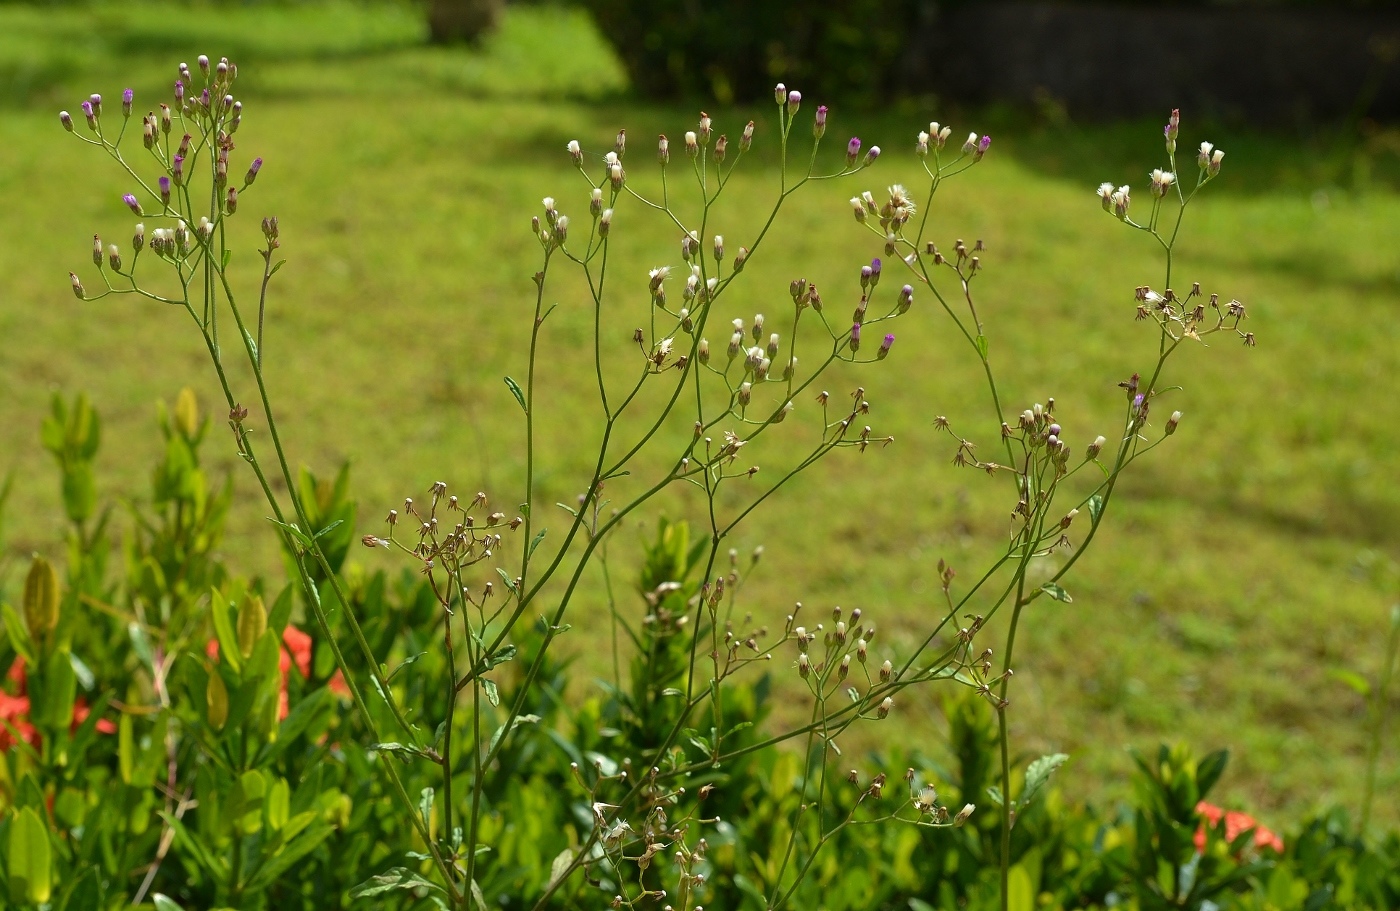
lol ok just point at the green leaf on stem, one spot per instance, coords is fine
(497, 658)
(403, 750)
(1209, 770)
(1037, 774)
(280, 264)
(505, 577)
(560, 867)
(982, 347)
(328, 528)
(994, 795)
(512, 725)
(519, 394)
(29, 858)
(397, 878)
(1357, 683)
(493, 695)
(535, 543)
(224, 260)
(252, 345)
(389, 678)
(1056, 592)
(1095, 508)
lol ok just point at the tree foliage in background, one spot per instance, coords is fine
(734, 50)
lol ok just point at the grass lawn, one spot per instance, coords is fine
(1236, 576)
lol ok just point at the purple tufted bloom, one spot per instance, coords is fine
(132, 204)
(1138, 401)
(875, 267)
(819, 125)
(983, 145)
(179, 92)
(852, 151)
(885, 346)
(177, 170)
(865, 274)
(794, 101)
(96, 101)
(870, 157)
(91, 117)
(165, 191)
(855, 337)
(253, 170)
(127, 97)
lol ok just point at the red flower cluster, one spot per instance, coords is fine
(1235, 824)
(296, 650)
(14, 712)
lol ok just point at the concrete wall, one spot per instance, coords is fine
(1271, 66)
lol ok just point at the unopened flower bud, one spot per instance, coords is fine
(884, 710)
(1068, 518)
(780, 93)
(852, 151)
(138, 238)
(132, 204)
(921, 145)
(114, 257)
(855, 337)
(886, 671)
(746, 137)
(165, 119)
(721, 146)
(703, 134)
(78, 291)
(605, 222)
(964, 814)
(66, 119)
(177, 170)
(859, 208)
(971, 145)
(91, 117)
(745, 394)
(1172, 421)
(703, 351)
(128, 95)
(885, 347)
(231, 201)
(983, 145)
(794, 101)
(97, 251)
(620, 146)
(906, 298)
(1096, 447)
(561, 229)
(870, 157)
(252, 174)
(203, 64)
(96, 101)
(819, 124)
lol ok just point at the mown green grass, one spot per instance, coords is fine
(1222, 594)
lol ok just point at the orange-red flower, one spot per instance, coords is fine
(14, 712)
(1236, 823)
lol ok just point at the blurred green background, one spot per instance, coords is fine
(1251, 559)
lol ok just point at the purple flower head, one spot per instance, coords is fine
(91, 117)
(96, 101)
(852, 150)
(179, 92)
(204, 98)
(870, 157)
(203, 64)
(165, 190)
(780, 93)
(1138, 401)
(875, 266)
(132, 204)
(177, 170)
(819, 125)
(865, 274)
(983, 145)
(886, 345)
(253, 170)
(855, 336)
(794, 101)
(1173, 124)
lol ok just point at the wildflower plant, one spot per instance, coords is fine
(505, 587)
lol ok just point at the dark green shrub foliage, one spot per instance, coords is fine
(735, 50)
